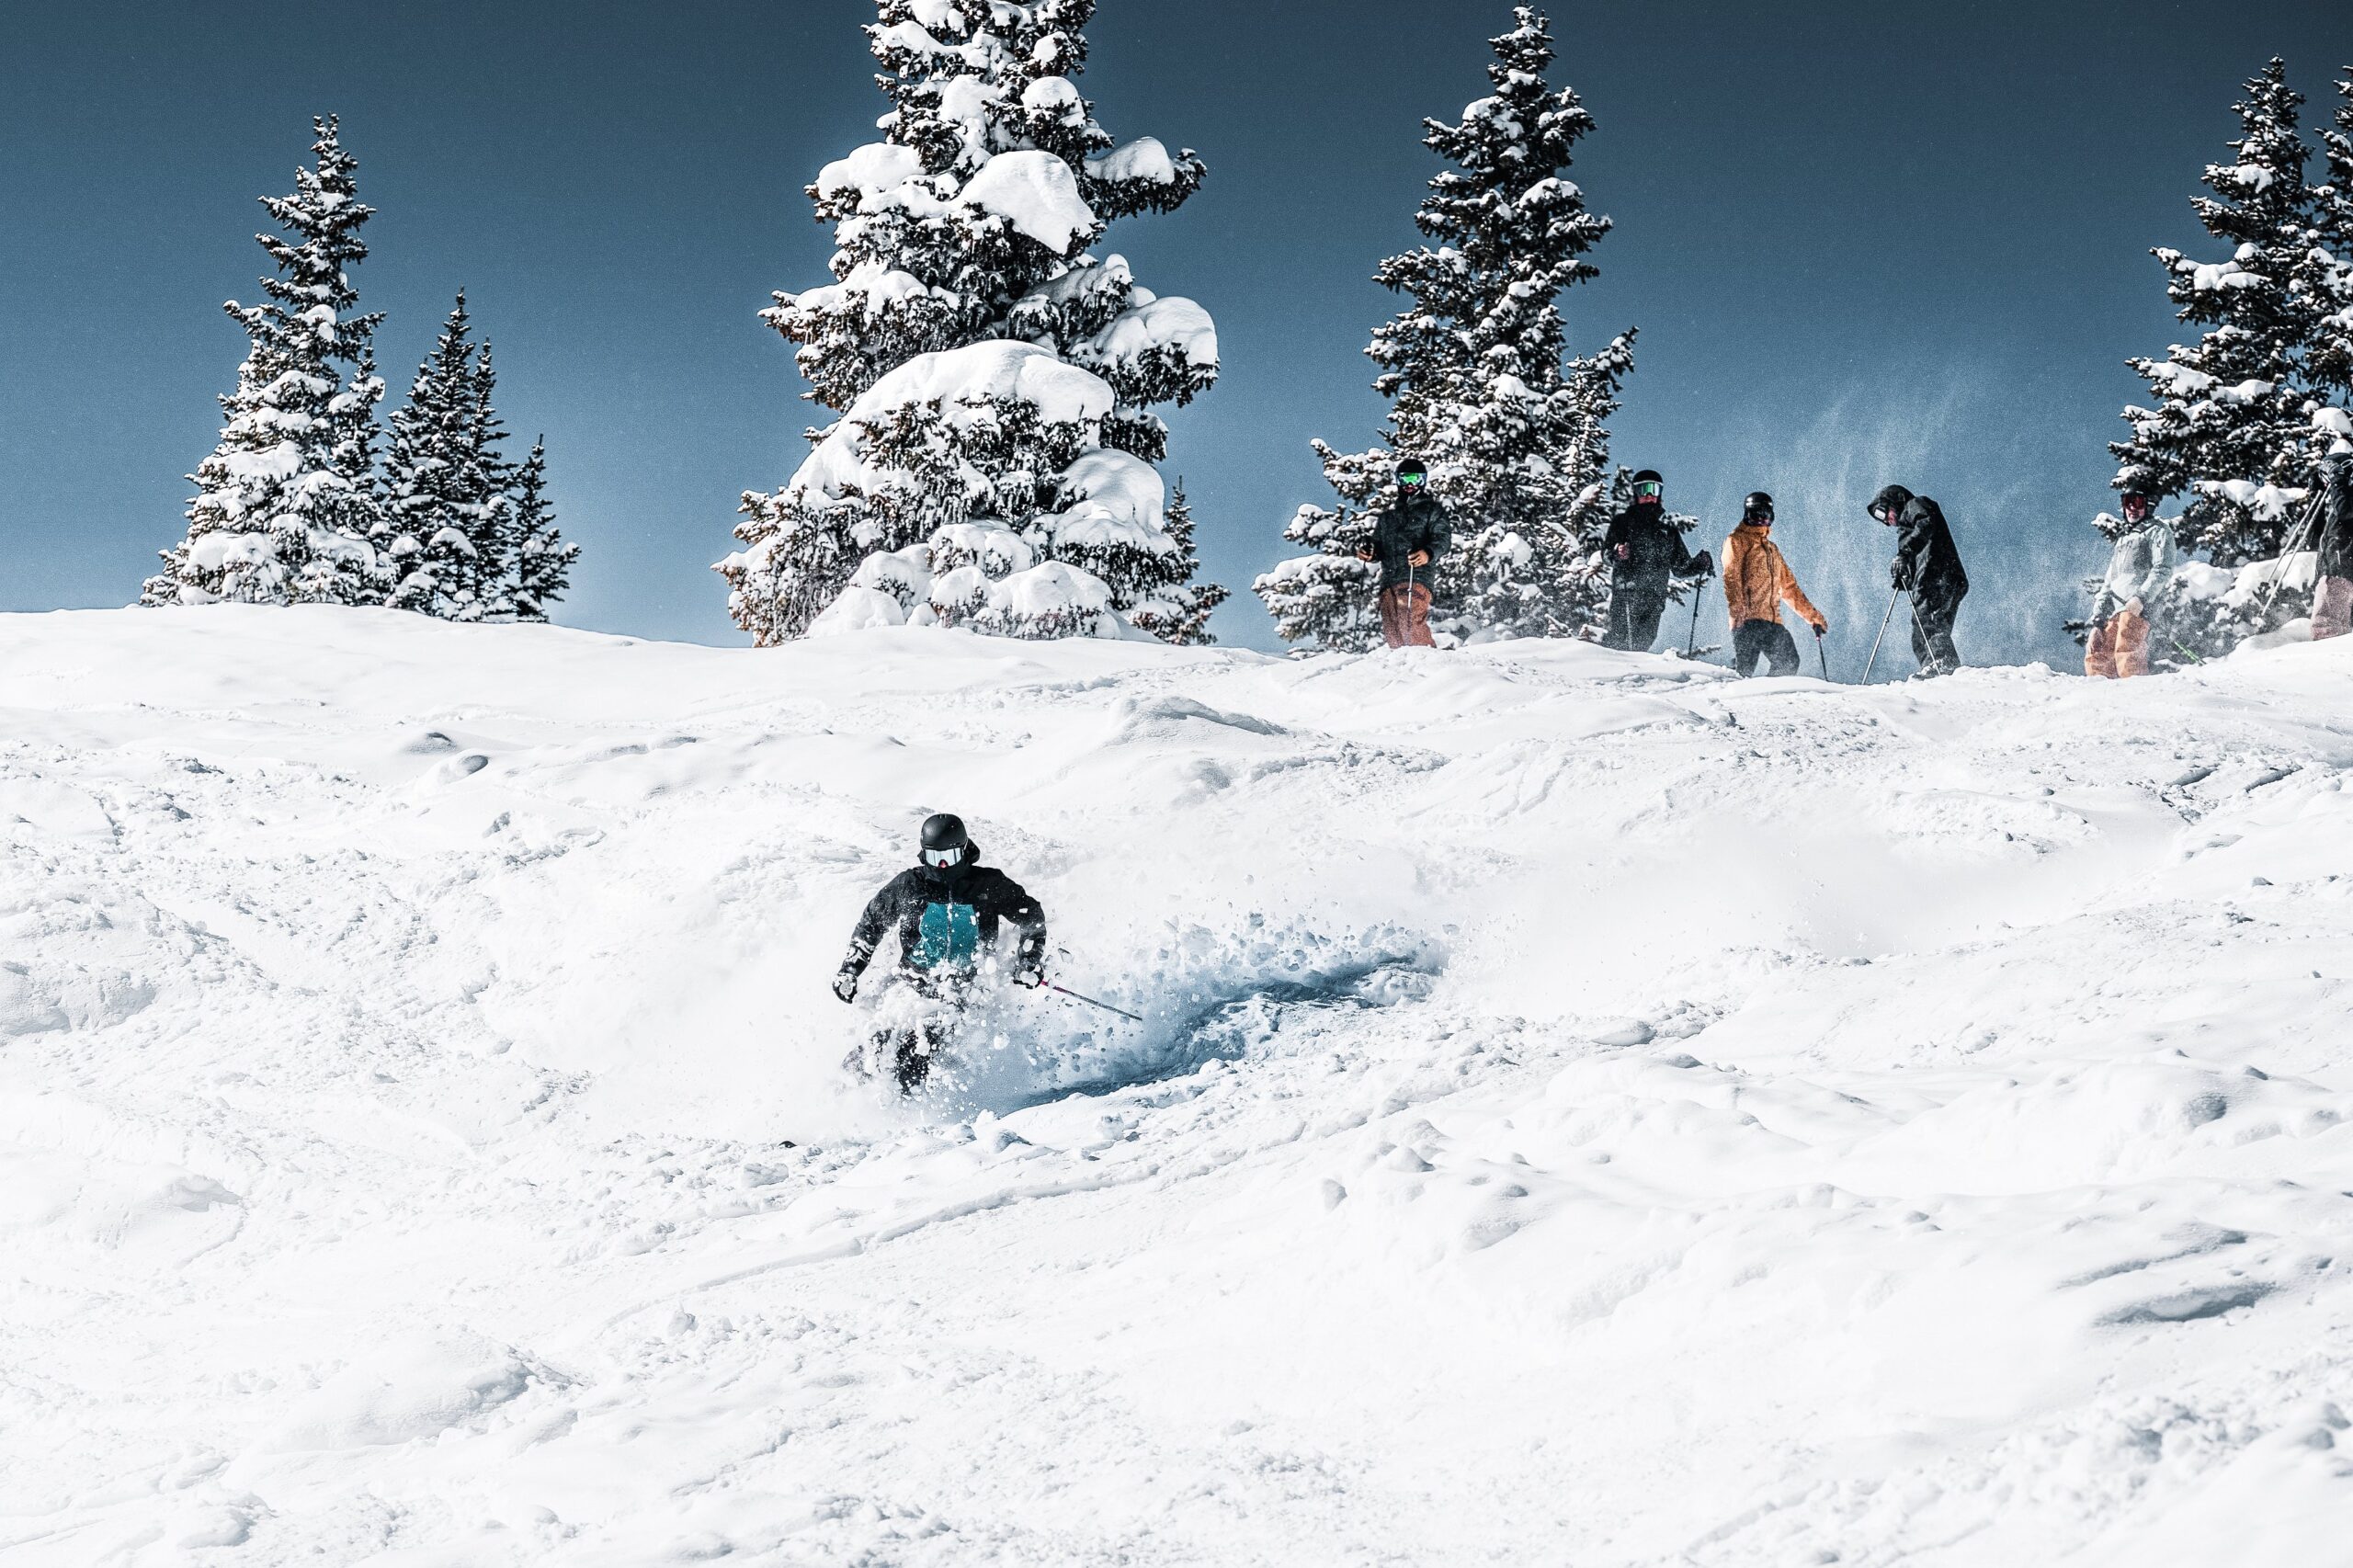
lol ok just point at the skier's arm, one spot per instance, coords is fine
(2159, 539)
(1437, 532)
(1905, 574)
(880, 910)
(1030, 918)
(1796, 596)
(1682, 562)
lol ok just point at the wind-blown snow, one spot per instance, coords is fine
(1592, 1111)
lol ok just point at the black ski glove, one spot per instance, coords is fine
(845, 985)
(1703, 566)
(1895, 579)
(1032, 972)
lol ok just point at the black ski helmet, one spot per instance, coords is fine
(1411, 471)
(1758, 505)
(2134, 492)
(1652, 477)
(945, 846)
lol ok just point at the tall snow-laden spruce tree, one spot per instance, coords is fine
(2325, 279)
(542, 560)
(1482, 389)
(448, 518)
(286, 503)
(2231, 430)
(992, 463)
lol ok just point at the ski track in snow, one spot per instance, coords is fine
(1593, 1111)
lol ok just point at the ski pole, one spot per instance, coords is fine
(1691, 649)
(1822, 656)
(1092, 1002)
(1873, 663)
(2296, 543)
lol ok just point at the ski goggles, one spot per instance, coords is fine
(1411, 477)
(1649, 490)
(940, 859)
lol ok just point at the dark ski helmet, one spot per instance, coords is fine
(945, 846)
(2142, 496)
(1648, 486)
(1410, 472)
(1758, 505)
(1889, 504)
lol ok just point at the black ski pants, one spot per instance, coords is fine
(1635, 610)
(1768, 639)
(1932, 617)
(909, 1048)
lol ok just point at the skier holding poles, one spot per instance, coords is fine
(1758, 581)
(1645, 550)
(947, 910)
(2332, 591)
(1407, 536)
(2139, 570)
(1928, 568)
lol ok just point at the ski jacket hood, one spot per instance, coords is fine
(1757, 580)
(1927, 566)
(1890, 502)
(1655, 548)
(1414, 521)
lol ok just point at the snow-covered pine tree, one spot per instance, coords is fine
(542, 560)
(287, 504)
(2325, 280)
(993, 460)
(1515, 432)
(448, 518)
(490, 478)
(2231, 431)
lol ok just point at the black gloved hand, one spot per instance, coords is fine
(1895, 577)
(845, 985)
(1031, 973)
(1704, 564)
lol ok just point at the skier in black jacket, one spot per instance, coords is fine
(947, 911)
(1407, 536)
(1928, 568)
(2333, 539)
(1645, 550)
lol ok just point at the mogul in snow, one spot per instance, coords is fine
(1758, 582)
(947, 910)
(1928, 567)
(1645, 551)
(2140, 568)
(1408, 535)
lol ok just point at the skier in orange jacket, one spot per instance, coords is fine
(1757, 580)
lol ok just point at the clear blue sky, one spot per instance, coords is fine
(1863, 242)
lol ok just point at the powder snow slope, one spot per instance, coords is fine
(1592, 1111)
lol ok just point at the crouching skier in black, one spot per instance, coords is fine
(1928, 568)
(947, 910)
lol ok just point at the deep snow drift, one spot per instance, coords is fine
(1593, 1111)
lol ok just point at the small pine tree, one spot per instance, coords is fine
(2231, 431)
(542, 560)
(287, 504)
(962, 236)
(450, 520)
(1515, 432)
(1179, 612)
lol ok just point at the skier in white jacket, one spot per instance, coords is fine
(2139, 570)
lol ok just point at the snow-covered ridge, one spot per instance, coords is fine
(1591, 1110)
